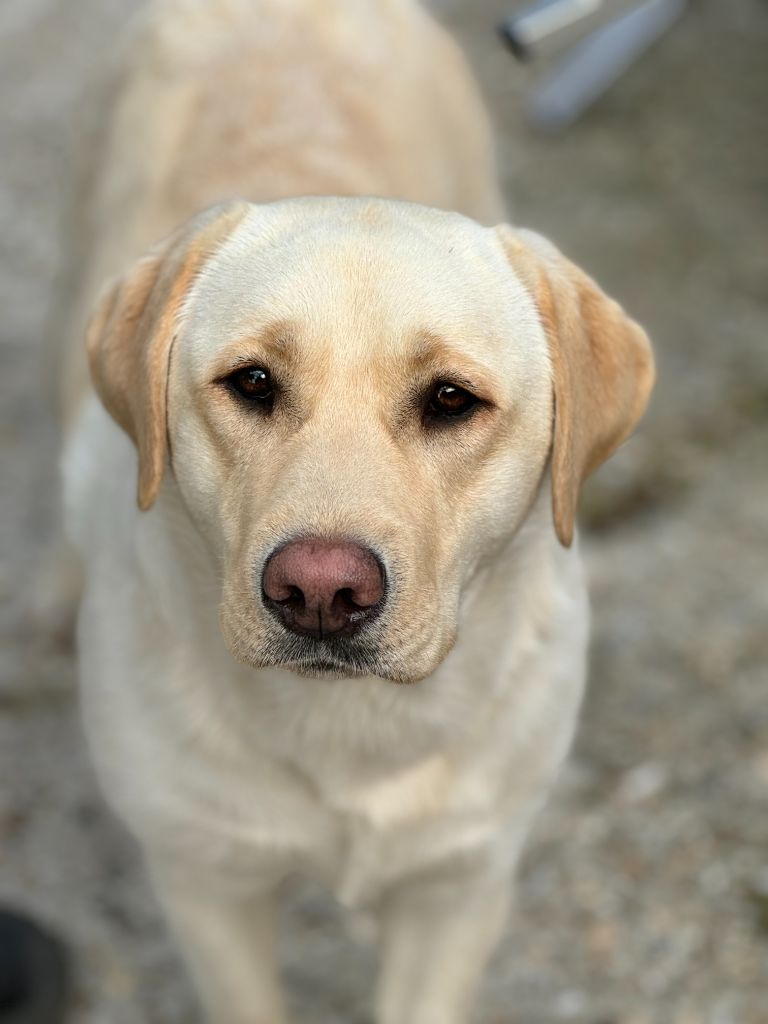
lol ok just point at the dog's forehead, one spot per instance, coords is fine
(359, 268)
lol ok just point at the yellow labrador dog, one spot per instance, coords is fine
(342, 632)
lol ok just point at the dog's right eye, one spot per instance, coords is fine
(253, 383)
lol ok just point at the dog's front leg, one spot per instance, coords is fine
(437, 936)
(228, 941)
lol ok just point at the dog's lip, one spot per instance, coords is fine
(324, 664)
(330, 668)
(330, 658)
(321, 669)
(331, 665)
(334, 655)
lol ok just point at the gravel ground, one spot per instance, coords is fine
(644, 892)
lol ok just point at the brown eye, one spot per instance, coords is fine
(449, 401)
(255, 384)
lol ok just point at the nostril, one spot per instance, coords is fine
(345, 600)
(294, 599)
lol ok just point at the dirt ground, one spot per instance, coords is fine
(644, 893)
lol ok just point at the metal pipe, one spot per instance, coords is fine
(549, 25)
(596, 63)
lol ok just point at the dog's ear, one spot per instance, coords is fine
(602, 363)
(131, 332)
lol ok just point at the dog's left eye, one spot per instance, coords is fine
(253, 383)
(449, 401)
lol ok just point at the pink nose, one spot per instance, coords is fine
(319, 587)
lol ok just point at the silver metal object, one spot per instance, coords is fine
(593, 65)
(547, 26)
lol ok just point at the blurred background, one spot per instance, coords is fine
(644, 892)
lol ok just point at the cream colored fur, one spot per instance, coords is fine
(408, 782)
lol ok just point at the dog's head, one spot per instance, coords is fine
(359, 400)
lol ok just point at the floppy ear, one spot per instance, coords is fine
(132, 330)
(602, 365)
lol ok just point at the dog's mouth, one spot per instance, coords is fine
(371, 653)
(326, 669)
(329, 658)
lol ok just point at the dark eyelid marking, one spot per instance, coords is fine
(435, 359)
